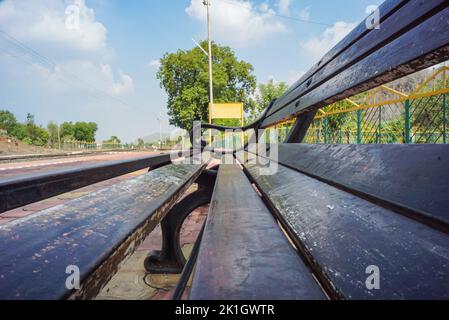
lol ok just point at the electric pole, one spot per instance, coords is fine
(211, 86)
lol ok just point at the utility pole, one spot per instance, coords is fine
(211, 86)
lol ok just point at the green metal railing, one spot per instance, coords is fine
(73, 145)
(423, 120)
(385, 116)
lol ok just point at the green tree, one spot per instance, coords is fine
(8, 121)
(67, 131)
(85, 131)
(140, 143)
(185, 77)
(266, 93)
(32, 133)
(53, 132)
(113, 139)
(19, 131)
(81, 131)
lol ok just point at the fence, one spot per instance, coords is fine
(82, 145)
(386, 115)
(72, 145)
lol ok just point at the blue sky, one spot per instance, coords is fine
(103, 68)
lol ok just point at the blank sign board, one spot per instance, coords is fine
(226, 111)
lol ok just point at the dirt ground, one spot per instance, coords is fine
(11, 146)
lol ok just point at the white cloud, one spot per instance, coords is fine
(80, 57)
(44, 22)
(284, 6)
(154, 64)
(118, 85)
(316, 47)
(75, 77)
(237, 22)
(304, 14)
(264, 7)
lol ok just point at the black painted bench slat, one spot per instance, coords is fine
(386, 9)
(421, 44)
(414, 178)
(345, 207)
(341, 234)
(95, 232)
(243, 253)
(22, 190)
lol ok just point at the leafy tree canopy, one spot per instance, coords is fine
(80, 131)
(53, 131)
(185, 77)
(34, 134)
(266, 93)
(140, 142)
(67, 130)
(8, 121)
(113, 139)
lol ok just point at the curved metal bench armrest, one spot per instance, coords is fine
(223, 128)
(254, 125)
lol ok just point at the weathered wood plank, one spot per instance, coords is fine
(386, 9)
(95, 232)
(404, 19)
(423, 46)
(412, 177)
(243, 253)
(341, 235)
(22, 190)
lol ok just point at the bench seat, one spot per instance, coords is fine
(244, 254)
(361, 207)
(95, 233)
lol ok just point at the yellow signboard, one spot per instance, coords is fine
(226, 111)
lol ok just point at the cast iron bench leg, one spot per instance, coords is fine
(170, 258)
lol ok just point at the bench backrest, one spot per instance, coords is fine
(349, 241)
(412, 36)
(412, 179)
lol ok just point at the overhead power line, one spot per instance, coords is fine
(46, 61)
(30, 63)
(271, 13)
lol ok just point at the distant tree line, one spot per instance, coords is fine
(33, 134)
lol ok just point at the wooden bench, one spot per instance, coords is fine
(244, 254)
(95, 233)
(363, 209)
(316, 229)
(344, 215)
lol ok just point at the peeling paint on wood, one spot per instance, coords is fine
(20, 191)
(411, 178)
(410, 50)
(244, 254)
(386, 9)
(95, 232)
(341, 234)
